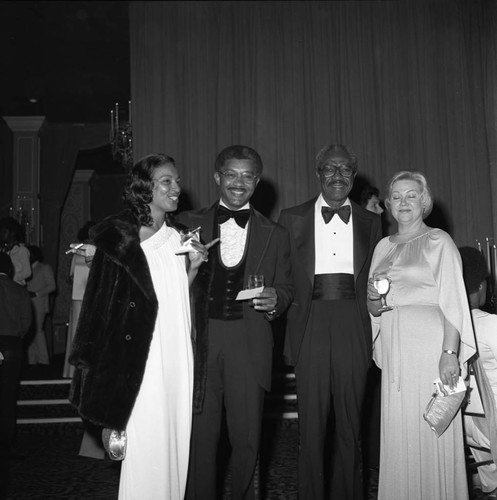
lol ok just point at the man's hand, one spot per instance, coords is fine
(266, 300)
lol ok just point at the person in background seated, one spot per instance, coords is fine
(479, 430)
(370, 200)
(40, 286)
(11, 242)
(15, 320)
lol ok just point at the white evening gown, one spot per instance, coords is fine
(156, 463)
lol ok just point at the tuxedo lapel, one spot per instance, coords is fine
(206, 221)
(259, 237)
(303, 229)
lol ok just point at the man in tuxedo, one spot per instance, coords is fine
(233, 339)
(328, 336)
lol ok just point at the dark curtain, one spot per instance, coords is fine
(59, 149)
(409, 85)
(6, 159)
(60, 144)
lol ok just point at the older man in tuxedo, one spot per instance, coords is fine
(328, 336)
(233, 344)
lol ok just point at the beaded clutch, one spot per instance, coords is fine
(442, 409)
(114, 443)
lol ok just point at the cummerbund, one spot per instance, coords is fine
(337, 286)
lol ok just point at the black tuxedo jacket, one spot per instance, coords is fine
(299, 221)
(267, 253)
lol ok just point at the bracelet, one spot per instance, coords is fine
(448, 351)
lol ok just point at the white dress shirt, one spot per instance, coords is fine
(233, 239)
(333, 242)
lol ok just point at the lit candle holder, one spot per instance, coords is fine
(111, 124)
(495, 264)
(117, 117)
(129, 112)
(489, 257)
(479, 245)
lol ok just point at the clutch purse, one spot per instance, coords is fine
(442, 408)
(114, 443)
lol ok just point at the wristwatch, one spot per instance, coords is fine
(270, 314)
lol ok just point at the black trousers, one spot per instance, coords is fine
(230, 382)
(10, 370)
(330, 377)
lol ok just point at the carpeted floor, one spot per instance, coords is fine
(46, 466)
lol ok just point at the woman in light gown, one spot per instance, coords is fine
(132, 349)
(78, 276)
(427, 334)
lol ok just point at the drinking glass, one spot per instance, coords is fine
(188, 234)
(255, 280)
(381, 282)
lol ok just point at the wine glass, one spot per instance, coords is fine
(255, 281)
(188, 234)
(381, 282)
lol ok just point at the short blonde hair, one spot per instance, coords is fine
(409, 175)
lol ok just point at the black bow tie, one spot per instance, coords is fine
(241, 216)
(343, 212)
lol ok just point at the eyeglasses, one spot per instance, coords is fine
(331, 170)
(246, 177)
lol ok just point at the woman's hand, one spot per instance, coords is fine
(201, 253)
(449, 369)
(86, 250)
(374, 298)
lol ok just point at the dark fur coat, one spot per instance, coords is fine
(116, 325)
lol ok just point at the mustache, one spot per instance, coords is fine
(337, 183)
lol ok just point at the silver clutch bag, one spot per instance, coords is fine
(114, 443)
(441, 410)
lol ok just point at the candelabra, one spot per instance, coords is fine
(121, 138)
(23, 213)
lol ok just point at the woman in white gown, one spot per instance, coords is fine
(427, 334)
(133, 350)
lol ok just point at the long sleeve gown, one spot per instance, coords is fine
(426, 288)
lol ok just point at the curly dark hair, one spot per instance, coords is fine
(239, 152)
(138, 192)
